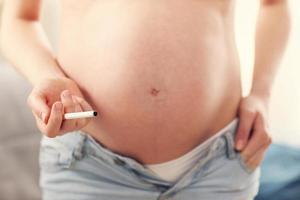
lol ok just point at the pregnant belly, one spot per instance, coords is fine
(159, 87)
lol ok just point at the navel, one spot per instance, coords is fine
(154, 92)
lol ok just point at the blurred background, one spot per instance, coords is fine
(19, 139)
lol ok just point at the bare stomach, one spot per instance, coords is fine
(164, 77)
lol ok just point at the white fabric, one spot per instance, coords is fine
(174, 169)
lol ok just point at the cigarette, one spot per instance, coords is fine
(78, 115)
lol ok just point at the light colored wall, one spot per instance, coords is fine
(285, 104)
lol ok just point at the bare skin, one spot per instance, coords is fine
(195, 70)
(164, 76)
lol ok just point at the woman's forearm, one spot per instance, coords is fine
(273, 27)
(25, 45)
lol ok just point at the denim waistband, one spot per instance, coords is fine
(219, 145)
(77, 145)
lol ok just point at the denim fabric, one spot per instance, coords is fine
(76, 167)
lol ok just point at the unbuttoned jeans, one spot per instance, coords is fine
(76, 167)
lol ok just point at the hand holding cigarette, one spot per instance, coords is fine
(59, 108)
(76, 112)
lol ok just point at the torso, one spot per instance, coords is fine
(163, 75)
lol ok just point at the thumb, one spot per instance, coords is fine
(246, 120)
(38, 103)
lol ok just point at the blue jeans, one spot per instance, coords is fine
(76, 167)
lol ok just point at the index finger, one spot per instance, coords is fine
(244, 129)
(259, 139)
(38, 104)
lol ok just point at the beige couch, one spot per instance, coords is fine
(19, 139)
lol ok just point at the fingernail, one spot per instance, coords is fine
(239, 144)
(67, 94)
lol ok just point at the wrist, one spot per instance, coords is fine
(261, 95)
(262, 90)
(259, 100)
(53, 72)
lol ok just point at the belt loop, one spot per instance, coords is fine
(78, 150)
(230, 151)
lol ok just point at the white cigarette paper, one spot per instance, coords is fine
(78, 115)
